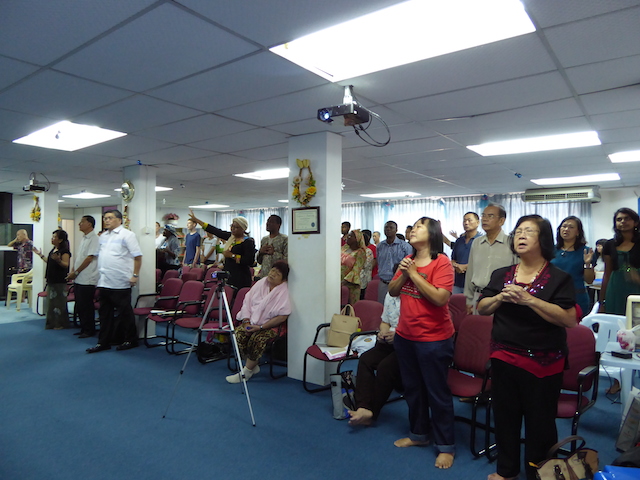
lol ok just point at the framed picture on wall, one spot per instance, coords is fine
(305, 220)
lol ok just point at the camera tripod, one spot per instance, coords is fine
(221, 296)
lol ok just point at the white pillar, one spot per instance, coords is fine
(314, 281)
(42, 231)
(141, 211)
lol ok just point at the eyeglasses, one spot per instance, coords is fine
(527, 232)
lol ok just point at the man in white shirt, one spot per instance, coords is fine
(85, 277)
(119, 262)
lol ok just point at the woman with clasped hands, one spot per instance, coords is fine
(424, 340)
(532, 303)
(265, 307)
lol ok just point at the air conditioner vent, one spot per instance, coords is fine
(572, 194)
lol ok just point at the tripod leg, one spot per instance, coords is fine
(236, 352)
(184, 367)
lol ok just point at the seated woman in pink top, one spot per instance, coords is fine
(264, 308)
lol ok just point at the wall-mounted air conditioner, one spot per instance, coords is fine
(566, 194)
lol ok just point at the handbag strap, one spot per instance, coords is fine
(572, 438)
(348, 310)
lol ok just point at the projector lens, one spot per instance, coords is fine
(324, 115)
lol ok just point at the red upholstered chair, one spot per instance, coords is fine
(190, 276)
(580, 381)
(199, 273)
(166, 300)
(370, 314)
(344, 295)
(189, 306)
(169, 274)
(371, 293)
(457, 309)
(185, 269)
(469, 373)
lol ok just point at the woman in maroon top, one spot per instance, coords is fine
(532, 303)
(424, 340)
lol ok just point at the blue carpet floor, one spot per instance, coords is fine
(68, 415)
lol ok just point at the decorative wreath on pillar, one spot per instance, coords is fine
(35, 211)
(301, 182)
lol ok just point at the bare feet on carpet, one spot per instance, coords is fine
(362, 416)
(407, 442)
(444, 460)
(495, 476)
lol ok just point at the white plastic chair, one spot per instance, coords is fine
(21, 285)
(607, 326)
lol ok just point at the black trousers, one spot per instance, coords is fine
(518, 394)
(378, 375)
(84, 307)
(117, 323)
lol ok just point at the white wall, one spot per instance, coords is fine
(612, 200)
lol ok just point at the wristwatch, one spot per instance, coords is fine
(135, 275)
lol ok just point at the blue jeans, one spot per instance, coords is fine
(424, 367)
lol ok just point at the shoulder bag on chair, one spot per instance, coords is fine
(342, 326)
(580, 464)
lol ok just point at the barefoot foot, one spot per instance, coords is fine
(362, 416)
(407, 442)
(495, 476)
(444, 460)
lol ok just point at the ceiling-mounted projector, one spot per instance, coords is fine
(34, 186)
(353, 113)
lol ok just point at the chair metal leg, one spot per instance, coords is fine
(304, 379)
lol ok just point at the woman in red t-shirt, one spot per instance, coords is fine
(424, 340)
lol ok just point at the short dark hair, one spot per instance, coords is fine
(634, 216)
(63, 237)
(90, 219)
(400, 236)
(367, 236)
(580, 240)
(277, 218)
(435, 236)
(283, 268)
(392, 222)
(347, 224)
(545, 237)
(116, 213)
(472, 213)
(502, 213)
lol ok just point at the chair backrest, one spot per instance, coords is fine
(191, 292)
(604, 326)
(371, 293)
(370, 313)
(170, 288)
(344, 295)
(170, 274)
(457, 309)
(186, 269)
(238, 301)
(24, 278)
(472, 348)
(582, 354)
(158, 275)
(214, 313)
(190, 276)
(199, 273)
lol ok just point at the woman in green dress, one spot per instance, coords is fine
(621, 263)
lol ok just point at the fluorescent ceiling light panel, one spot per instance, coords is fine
(86, 196)
(623, 157)
(209, 205)
(265, 174)
(283, 201)
(68, 136)
(405, 33)
(604, 177)
(391, 195)
(158, 189)
(537, 144)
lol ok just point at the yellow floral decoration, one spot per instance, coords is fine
(35, 211)
(298, 183)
